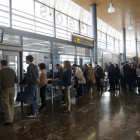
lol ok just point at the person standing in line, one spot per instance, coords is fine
(125, 72)
(85, 72)
(42, 84)
(98, 76)
(90, 78)
(31, 83)
(117, 73)
(67, 75)
(122, 75)
(7, 80)
(60, 77)
(138, 74)
(111, 76)
(79, 81)
(132, 77)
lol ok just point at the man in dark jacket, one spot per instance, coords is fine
(98, 76)
(125, 72)
(7, 81)
(60, 72)
(31, 83)
(111, 76)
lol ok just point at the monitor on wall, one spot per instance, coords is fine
(1, 35)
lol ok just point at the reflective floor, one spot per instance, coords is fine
(97, 116)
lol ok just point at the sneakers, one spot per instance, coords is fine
(66, 111)
(6, 123)
(62, 102)
(36, 112)
(30, 116)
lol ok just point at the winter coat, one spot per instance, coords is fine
(91, 75)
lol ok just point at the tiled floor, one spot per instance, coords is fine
(97, 116)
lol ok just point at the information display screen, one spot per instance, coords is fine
(1, 35)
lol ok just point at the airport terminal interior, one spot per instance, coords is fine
(81, 32)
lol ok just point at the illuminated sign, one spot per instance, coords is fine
(1, 35)
(82, 40)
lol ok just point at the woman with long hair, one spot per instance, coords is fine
(67, 84)
(42, 84)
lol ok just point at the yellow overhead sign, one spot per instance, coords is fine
(82, 40)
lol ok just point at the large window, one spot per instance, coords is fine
(65, 26)
(36, 45)
(130, 46)
(63, 48)
(110, 43)
(43, 19)
(101, 40)
(117, 45)
(23, 15)
(4, 12)
(85, 29)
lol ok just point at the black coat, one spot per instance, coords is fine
(132, 73)
(111, 71)
(117, 72)
(99, 72)
(126, 69)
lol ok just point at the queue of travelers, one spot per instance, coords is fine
(84, 79)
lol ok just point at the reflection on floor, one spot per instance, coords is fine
(97, 116)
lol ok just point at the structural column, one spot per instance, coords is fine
(136, 43)
(10, 13)
(94, 31)
(124, 44)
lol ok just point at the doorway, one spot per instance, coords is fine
(14, 63)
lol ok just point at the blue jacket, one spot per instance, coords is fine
(67, 77)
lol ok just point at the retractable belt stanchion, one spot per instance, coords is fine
(52, 94)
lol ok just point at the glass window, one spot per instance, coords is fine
(61, 25)
(110, 43)
(36, 45)
(117, 45)
(130, 45)
(4, 12)
(43, 19)
(11, 39)
(85, 29)
(83, 60)
(72, 27)
(83, 51)
(23, 14)
(63, 48)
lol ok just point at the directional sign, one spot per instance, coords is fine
(82, 40)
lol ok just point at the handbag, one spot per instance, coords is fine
(24, 97)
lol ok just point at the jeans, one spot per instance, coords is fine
(31, 90)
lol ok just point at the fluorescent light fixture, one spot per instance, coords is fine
(111, 8)
(130, 27)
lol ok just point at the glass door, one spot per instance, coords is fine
(13, 62)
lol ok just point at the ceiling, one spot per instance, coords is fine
(120, 18)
